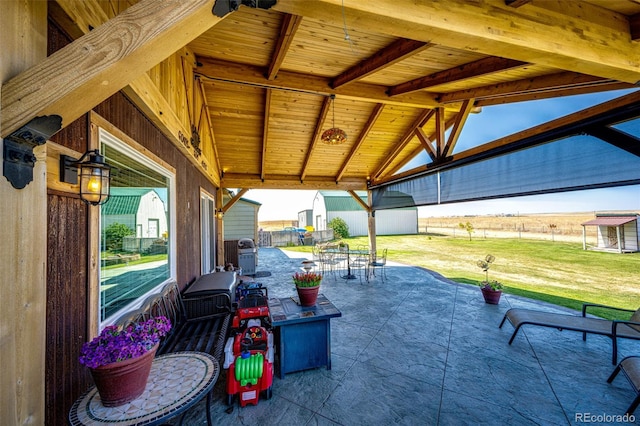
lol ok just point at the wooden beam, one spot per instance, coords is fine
(234, 200)
(359, 200)
(576, 36)
(89, 70)
(377, 110)
(402, 143)
(571, 91)
(254, 181)
(80, 18)
(394, 53)
(516, 3)
(460, 119)
(545, 83)
(634, 26)
(290, 24)
(231, 72)
(426, 144)
(583, 115)
(485, 66)
(439, 135)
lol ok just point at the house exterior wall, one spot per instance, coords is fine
(241, 221)
(67, 282)
(355, 220)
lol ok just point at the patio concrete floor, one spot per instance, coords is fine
(418, 349)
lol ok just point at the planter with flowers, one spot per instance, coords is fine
(491, 290)
(120, 360)
(307, 286)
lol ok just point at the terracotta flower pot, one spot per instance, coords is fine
(124, 381)
(491, 296)
(308, 295)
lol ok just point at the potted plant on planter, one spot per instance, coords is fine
(120, 359)
(491, 290)
(307, 286)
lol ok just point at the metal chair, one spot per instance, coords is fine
(379, 262)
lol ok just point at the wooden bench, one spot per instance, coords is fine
(200, 322)
(630, 366)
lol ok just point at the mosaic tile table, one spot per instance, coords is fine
(177, 382)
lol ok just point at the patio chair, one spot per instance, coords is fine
(360, 261)
(380, 262)
(614, 329)
(630, 366)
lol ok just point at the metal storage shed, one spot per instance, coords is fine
(328, 205)
(618, 233)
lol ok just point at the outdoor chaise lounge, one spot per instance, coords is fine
(614, 329)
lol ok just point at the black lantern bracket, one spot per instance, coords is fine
(17, 152)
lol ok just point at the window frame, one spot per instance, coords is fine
(104, 132)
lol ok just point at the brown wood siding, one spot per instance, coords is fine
(66, 291)
(67, 284)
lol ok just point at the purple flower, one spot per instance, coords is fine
(113, 345)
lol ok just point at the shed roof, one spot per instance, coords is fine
(124, 200)
(610, 220)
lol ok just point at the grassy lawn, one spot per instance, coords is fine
(555, 272)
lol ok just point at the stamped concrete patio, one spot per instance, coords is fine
(419, 349)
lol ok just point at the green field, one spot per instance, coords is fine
(555, 272)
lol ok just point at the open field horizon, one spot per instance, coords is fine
(556, 226)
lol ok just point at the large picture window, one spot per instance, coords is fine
(135, 248)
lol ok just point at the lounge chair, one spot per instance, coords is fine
(627, 329)
(630, 366)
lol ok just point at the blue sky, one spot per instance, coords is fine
(505, 120)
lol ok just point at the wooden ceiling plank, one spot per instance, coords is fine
(265, 132)
(377, 110)
(395, 52)
(485, 66)
(89, 70)
(561, 80)
(230, 72)
(460, 119)
(576, 36)
(326, 103)
(290, 24)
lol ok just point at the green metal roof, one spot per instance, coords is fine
(123, 201)
(342, 201)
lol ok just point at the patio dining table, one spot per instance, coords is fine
(348, 252)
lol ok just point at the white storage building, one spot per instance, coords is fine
(328, 205)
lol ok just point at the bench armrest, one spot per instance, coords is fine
(596, 305)
(202, 307)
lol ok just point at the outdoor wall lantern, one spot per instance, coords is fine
(219, 213)
(95, 176)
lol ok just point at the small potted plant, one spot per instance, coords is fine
(491, 290)
(120, 359)
(307, 285)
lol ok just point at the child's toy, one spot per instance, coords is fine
(249, 351)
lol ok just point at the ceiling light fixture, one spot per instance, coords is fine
(335, 135)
